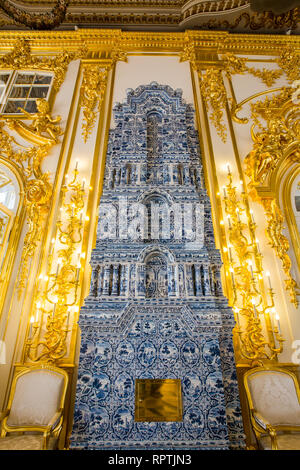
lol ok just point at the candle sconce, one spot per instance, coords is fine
(257, 336)
(57, 300)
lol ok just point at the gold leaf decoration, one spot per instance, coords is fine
(237, 65)
(38, 189)
(92, 93)
(214, 94)
(271, 142)
(21, 57)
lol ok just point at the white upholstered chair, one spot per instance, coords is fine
(274, 404)
(34, 415)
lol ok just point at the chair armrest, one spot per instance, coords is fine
(266, 426)
(262, 422)
(55, 419)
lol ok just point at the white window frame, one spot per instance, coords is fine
(11, 83)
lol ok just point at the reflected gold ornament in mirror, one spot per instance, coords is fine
(158, 400)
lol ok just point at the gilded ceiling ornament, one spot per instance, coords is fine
(36, 20)
(214, 94)
(37, 186)
(255, 21)
(276, 6)
(237, 65)
(21, 57)
(271, 144)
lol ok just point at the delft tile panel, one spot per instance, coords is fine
(155, 307)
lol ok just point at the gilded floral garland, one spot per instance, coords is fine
(237, 65)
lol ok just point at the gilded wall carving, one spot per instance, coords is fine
(37, 184)
(275, 141)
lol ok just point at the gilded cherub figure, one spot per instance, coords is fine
(42, 122)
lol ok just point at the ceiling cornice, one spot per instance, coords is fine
(159, 15)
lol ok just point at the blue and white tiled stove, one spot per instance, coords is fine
(155, 307)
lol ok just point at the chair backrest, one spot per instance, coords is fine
(274, 394)
(36, 395)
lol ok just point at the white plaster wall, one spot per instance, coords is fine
(142, 70)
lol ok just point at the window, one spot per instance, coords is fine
(22, 89)
(4, 77)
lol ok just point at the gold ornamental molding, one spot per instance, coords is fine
(233, 15)
(21, 57)
(43, 133)
(276, 146)
(93, 87)
(43, 42)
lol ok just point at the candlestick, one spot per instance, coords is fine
(251, 269)
(76, 165)
(254, 308)
(252, 218)
(54, 308)
(232, 277)
(229, 222)
(257, 244)
(30, 328)
(83, 184)
(269, 279)
(237, 316)
(230, 254)
(224, 192)
(278, 323)
(238, 215)
(228, 169)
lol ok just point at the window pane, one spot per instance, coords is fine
(31, 106)
(19, 92)
(24, 78)
(12, 106)
(43, 79)
(39, 92)
(4, 77)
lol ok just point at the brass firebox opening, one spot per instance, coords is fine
(158, 400)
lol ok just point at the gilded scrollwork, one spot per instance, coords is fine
(214, 94)
(288, 61)
(237, 65)
(21, 57)
(37, 185)
(280, 243)
(92, 93)
(93, 87)
(271, 143)
(43, 129)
